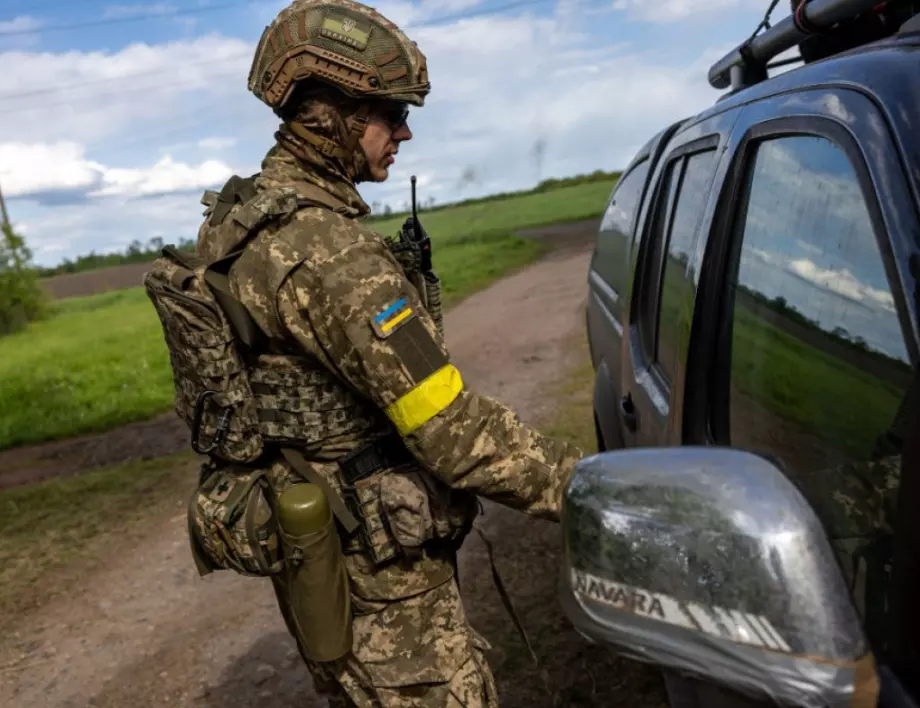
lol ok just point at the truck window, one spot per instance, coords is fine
(691, 200)
(818, 360)
(615, 237)
(813, 367)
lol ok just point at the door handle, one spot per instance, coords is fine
(628, 413)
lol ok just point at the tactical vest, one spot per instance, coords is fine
(234, 395)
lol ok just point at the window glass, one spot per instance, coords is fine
(691, 200)
(818, 363)
(613, 241)
(654, 236)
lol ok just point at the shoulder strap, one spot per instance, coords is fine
(312, 195)
(299, 463)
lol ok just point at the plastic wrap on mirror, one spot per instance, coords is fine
(710, 562)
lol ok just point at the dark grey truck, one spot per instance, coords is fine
(752, 522)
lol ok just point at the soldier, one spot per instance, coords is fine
(353, 371)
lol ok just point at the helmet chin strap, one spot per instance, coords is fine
(351, 154)
(358, 165)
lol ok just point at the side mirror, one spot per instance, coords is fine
(710, 562)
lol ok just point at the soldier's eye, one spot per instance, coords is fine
(395, 115)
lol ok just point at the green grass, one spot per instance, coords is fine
(99, 362)
(71, 525)
(585, 201)
(834, 400)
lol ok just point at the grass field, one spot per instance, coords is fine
(819, 387)
(99, 361)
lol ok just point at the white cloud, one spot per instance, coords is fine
(37, 170)
(93, 96)
(27, 169)
(164, 177)
(841, 282)
(23, 23)
(109, 225)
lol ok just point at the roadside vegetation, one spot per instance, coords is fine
(137, 252)
(98, 362)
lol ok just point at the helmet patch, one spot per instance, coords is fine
(346, 30)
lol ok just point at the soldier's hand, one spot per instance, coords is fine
(412, 230)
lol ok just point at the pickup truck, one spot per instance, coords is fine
(754, 325)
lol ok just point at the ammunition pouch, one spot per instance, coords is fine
(399, 506)
(232, 523)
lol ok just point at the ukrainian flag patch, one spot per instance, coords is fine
(392, 317)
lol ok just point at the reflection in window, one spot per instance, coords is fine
(818, 363)
(655, 235)
(819, 368)
(691, 200)
(614, 239)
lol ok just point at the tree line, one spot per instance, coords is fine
(138, 252)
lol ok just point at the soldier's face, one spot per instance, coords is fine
(386, 129)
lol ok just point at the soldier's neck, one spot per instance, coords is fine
(289, 162)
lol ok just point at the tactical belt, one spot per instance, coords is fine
(359, 464)
(372, 457)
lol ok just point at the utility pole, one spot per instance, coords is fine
(6, 217)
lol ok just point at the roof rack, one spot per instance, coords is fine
(746, 65)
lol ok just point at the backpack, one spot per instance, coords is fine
(210, 335)
(208, 331)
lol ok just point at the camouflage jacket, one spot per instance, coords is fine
(323, 285)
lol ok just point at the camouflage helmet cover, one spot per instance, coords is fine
(342, 43)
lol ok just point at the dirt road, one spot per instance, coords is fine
(147, 631)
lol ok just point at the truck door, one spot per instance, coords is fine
(661, 305)
(804, 347)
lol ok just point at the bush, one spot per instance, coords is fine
(22, 299)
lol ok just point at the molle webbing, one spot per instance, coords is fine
(300, 405)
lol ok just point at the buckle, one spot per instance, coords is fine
(361, 463)
(223, 425)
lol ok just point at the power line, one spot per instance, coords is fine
(123, 20)
(225, 6)
(187, 82)
(230, 57)
(110, 79)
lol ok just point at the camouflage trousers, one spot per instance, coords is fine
(417, 652)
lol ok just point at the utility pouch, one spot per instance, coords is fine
(315, 579)
(232, 525)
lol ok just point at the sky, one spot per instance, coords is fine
(115, 117)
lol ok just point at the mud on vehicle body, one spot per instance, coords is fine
(754, 325)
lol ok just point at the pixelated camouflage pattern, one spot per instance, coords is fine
(216, 240)
(397, 68)
(419, 653)
(224, 512)
(313, 283)
(282, 168)
(856, 499)
(333, 119)
(203, 356)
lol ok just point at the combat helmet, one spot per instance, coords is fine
(341, 43)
